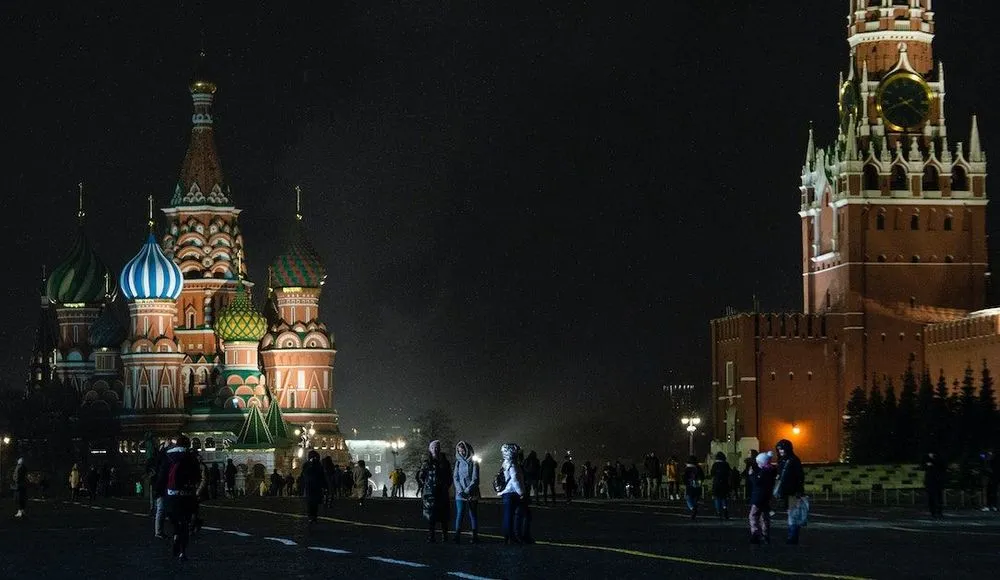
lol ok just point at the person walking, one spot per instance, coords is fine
(74, 482)
(314, 485)
(673, 491)
(989, 475)
(179, 476)
(513, 491)
(935, 474)
(230, 475)
(547, 473)
(436, 475)
(19, 483)
(92, 481)
(721, 477)
(466, 478)
(759, 498)
(790, 486)
(693, 476)
(361, 476)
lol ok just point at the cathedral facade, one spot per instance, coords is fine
(173, 343)
(893, 237)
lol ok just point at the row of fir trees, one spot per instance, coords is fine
(957, 421)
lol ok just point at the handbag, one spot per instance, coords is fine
(499, 482)
(799, 514)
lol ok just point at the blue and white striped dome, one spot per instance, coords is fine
(151, 275)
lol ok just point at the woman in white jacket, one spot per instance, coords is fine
(512, 493)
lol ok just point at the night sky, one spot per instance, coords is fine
(528, 212)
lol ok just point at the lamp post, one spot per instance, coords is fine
(305, 435)
(5, 441)
(691, 424)
(396, 446)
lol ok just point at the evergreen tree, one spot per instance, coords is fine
(906, 418)
(967, 415)
(876, 412)
(888, 422)
(987, 410)
(857, 448)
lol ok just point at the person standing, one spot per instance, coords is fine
(672, 477)
(230, 475)
(759, 498)
(547, 473)
(92, 482)
(436, 475)
(19, 483)
(215, 479)
(179, 476)
(74, 482)
(466, 480)
(568, 472)
(361, 476)
(314, 485)
(513, 491)
(790, 486)
(934, 479)
(721, 476)
(749, 469)
(693, 476)
(532, 471)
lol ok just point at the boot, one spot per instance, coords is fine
(20, 513)
(475, 536)
(430, 535)
(725, 513)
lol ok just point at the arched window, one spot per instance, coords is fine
(915, 259)
(871, 178)
(881, 258)
(931, 180)
(880, 220)
(959, 179)
(947, 223)
(898, 181)
(915, 222)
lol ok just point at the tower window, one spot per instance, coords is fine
(915, 259)
(791, 376)
(871, 177)
(949, 259)
(959, 179)
(931, 181)
(898, 178)
(914, 222)
(947, 223)
(881, 257)
(880, 221)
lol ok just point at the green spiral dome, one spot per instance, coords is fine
(240, 321)
(299, 265)
(79, 279)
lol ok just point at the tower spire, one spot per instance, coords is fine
(239, 264)
(975, 149)
(80, 214)
(852, 140)
(150, 222)
(298, 203)
(810, 149)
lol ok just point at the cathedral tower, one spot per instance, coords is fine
(203, 238)
(298, 350)
(240, 328)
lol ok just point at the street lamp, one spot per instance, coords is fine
(305, 435)
(3, 443)
(396, 446)
(691, 424)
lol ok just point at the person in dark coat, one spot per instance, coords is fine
(934, 479)
(532, 473)
(759, 498)
(693, 477)
(791, 485)
(19, 483)
(436, 474)
(721, 478)
(92, 481)
(466, 477)
(214, 479)
(568, 472)
(230, 474)
(314, 484)
(749, 467)
(180, 475)
(547, 473)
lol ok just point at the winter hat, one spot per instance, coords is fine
(508, 451)
(434, 447)
(720, 456)
(764, 458)
(468, 449)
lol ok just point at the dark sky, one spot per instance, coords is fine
(529, 211)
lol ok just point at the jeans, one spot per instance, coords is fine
(510, 525)
(760, 521)
(180, 509)
(522, 519)
(158, 516)
(720, 504)
(793, 526)
(547, 485)
(461, 507)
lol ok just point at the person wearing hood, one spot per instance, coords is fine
(935, 475)
(179, 477)
(721, 478)
(761, 486)
(466, 490)
(532, 471)
(513, 491)
(230, 475)
(19, 483)
(74, 482)
(361, 475)
(436, 475)
(314, 484)
(547, 473)
(790, 486)
(693, 476)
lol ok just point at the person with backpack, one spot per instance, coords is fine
(179, 476)
(466, 478)
(721, 476)
(693, 476)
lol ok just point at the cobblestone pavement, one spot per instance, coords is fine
(386, 539)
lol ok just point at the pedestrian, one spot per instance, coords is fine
(568, 472)
(547, 473)
(314, 484)
(277, 482)
(418, 477)
(262, 488)
(436, 475)
(361, 476)
(215, 479)
(721, 476)
(230, 475)
(749, 468)
(92, 482)
(761, 488)
(532, 473)
(74, 482)
(990, 474)
(790, 486)
(672, 478)
(513, 491)
(693, 476)
(934, 479)
(522, 517)
(466, 478)
(19, 483)
(180, 475)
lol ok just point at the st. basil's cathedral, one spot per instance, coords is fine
(194, 355)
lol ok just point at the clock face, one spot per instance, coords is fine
(904, 101)
(849, 104)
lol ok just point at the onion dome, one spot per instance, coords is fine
(151, 275)
(79, 279)
(239, 320)
(108, 331)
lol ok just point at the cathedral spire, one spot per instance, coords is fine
(201, 181)
(810, 149)
(80, 213)
(852, 140)
(975, 149)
